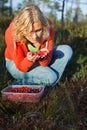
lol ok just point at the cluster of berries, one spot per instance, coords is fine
(24, 89)
(41, 54)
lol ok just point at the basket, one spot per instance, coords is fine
(23, 93)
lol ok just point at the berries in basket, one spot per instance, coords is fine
(23, 93)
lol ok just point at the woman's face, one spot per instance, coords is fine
(36, 34)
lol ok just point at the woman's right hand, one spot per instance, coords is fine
(32, 56)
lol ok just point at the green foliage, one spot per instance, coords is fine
(71, 33)
(4, 22)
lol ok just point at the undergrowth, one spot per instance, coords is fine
(62, 108)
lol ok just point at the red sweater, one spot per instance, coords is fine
(17, 52)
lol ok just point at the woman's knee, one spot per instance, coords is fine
(48, 76)
(52, 77)
(67, 50)
(13, 70)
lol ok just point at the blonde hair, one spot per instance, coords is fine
(24, 21)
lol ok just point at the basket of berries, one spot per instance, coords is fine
(23, 93)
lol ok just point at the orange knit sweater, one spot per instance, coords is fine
(17, 52)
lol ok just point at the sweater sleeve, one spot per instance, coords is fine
(45, 61)
(20, 60)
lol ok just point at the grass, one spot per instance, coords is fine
(62, 108)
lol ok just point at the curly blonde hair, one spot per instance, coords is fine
(24, 21)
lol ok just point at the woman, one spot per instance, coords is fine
(30, 55)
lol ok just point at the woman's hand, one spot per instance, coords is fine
(32, 56)
(43, 52)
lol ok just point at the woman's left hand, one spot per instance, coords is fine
(43, 52)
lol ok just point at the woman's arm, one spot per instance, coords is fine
(20, 58)
(45, 61)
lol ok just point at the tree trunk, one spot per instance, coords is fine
(62, 19)
(11, 7)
